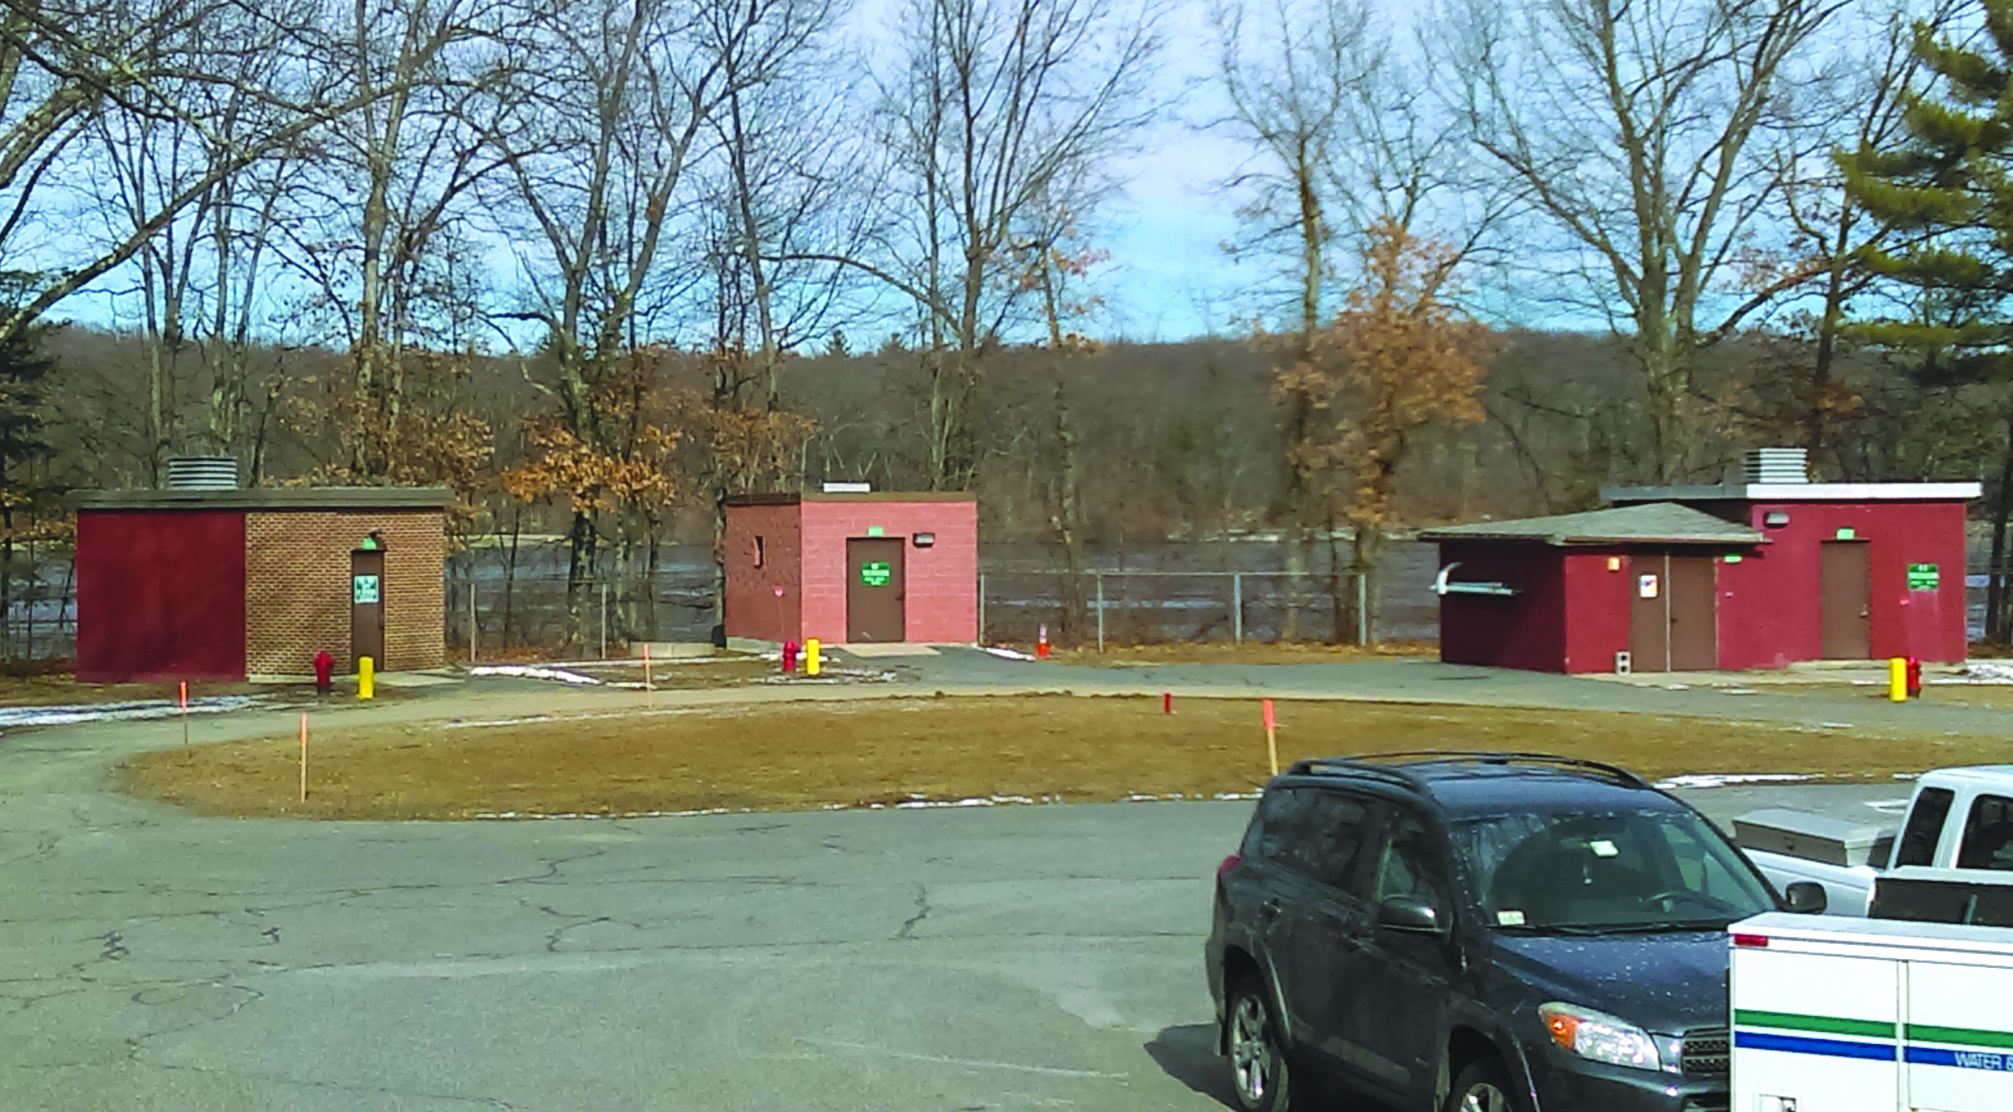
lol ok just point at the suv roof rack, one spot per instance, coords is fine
(1373, 764)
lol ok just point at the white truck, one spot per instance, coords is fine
(1951, 862)
(1864, 1015)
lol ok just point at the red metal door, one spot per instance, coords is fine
(874, 590)
(1845, 601)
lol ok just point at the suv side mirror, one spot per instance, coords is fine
(1405, 913)
(1806, 897)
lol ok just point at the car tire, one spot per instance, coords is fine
(1484, 1086)
(1262, 1074)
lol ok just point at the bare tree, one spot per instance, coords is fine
(995, 109)
(599, 149)
(1630, 125)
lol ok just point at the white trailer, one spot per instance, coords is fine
(1869, 1015)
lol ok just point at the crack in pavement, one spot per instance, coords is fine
(907, 933)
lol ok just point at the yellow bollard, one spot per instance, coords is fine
(364, 686)
(1897, 678)
(811, 662)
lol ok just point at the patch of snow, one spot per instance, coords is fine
(1005, 653)
(530, 672)
(1979, 671)
(120, 712)
(1720, 780)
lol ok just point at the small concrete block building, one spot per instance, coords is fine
(1753, 574)
(222, 584)
(852, 567)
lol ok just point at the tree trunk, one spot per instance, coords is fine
(579, 576)
(1996, 583)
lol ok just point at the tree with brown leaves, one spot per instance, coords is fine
(1399, 357)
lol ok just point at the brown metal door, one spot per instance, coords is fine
(1845, 601)
(366, 610)
(1649, 614)
(1694, 625)
(874, 590)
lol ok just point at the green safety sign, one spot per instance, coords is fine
(877, 573)
(363, 589)
(1923, 577)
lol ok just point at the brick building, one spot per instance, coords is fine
(228, 583)
(853, 567)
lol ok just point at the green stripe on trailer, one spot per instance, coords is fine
(1963, 1036)
(1829, 1025)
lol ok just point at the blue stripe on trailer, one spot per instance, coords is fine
(1799, 1044)
(1960, 1059)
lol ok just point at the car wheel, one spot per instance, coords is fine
(1484, 1086)
(1260, 1072)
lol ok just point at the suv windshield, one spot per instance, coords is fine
(1650, 869)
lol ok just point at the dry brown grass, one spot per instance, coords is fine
(808, 755)
(60, 690)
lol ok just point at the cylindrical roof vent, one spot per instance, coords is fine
(1775, 465)
(203, 473)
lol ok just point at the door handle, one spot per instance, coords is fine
(1271, 908)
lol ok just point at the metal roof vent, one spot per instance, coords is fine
(203, 473)
(1775, 465)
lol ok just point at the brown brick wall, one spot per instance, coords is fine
(297, 590)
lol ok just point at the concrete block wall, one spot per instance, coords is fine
(297, 588)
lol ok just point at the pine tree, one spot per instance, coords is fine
(1947, 187)
(24, 490)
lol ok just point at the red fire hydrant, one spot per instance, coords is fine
(324, 669)
(789, 656)
(1914, 678)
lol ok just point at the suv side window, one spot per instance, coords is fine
(1334, 828)
(1273, 833)
(1925, 822)
(1409, 863)
(1988, 835)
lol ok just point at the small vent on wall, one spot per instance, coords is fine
(1775, 465)
(203, 473)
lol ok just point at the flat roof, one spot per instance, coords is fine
(1652, 523)
(867, 496)
(1798, 492)
(267, 498)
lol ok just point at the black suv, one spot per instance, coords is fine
(1479, 932)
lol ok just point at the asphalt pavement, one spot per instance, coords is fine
(1028, 957)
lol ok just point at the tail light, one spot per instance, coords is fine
(1751, 941)
(1229, 863)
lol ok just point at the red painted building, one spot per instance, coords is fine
(848, 567)
(222, 584)
(1744, 575)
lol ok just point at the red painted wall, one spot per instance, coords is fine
(1597, 608)
(752, 608)
(1527, 630)
(1769, 611)
(160, 596)
(940, 595)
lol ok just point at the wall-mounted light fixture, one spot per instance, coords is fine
(925, 540)
(1775, 519)
(1614, 563)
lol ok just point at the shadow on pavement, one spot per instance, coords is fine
(1188, 1054)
